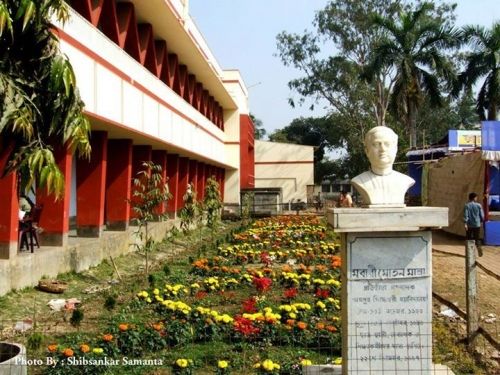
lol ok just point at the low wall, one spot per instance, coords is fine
(80, 254)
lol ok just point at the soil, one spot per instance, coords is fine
(449, 283)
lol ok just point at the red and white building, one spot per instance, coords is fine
(153, 91)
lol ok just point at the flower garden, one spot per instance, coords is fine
(266, 301)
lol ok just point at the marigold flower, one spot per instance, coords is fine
(222, 364)
(52, 348)
(158, 326)
(182, 363)
(306, 362)
(84, 348)
(68, 352)
(123, 327)
(107, 337)
(301, 325)
(98, 350)
(290, 322)
(320, 326)
(331, 328)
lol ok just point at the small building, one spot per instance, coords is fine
(286, 166)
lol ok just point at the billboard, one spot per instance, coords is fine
(459, 140)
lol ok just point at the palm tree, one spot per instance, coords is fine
(39, 101)
(414, 47)
(483, 62)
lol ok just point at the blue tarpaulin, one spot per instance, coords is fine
(490, 137)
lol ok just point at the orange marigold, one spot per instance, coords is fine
(158, 326)
(290, 322)
(84, 348)
(301, 325)
(320, 326)
(52, 348)
(331, 328)
(107, 337)
(123, 327)
(336, 261)
(68, 352)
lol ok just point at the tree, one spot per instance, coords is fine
(149, 190)
(39, 100)
(414, 44)
(483, 62)
(212, 203)
(345, 24)
(259, 131)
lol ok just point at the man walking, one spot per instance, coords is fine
(473, 217)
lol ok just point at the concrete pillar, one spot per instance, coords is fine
(183, 181)
(91, 187)
(140, 154)
(159, 157)
(222, 183)
(173, 182)
(118, 187)
(9, 204)
(54, 218)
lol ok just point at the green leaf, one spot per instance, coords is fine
(5, 20)
(29, 13)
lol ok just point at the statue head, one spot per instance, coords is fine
(381, 146)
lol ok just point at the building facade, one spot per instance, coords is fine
(153, 91)
(286, 166)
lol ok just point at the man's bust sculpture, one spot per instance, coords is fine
(381, 185)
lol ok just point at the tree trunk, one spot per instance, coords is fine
(492, 111)
(412, 123)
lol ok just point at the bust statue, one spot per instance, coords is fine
(382, 186)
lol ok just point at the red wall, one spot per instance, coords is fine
(247, 153)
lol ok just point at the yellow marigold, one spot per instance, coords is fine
(68, 352)
(306, 362)
(182, 363)
(84, 348)
(98, 350)
(222, 364)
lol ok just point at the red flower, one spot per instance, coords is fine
(265, 258)
(250, 305)
(262, 283)
(201, 294)
(290, 293)
(245, 326)
(322, 293)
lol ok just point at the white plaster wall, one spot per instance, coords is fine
(273, 151)
(232, 187)
(119, 99)
(288, 166)
(292, 178)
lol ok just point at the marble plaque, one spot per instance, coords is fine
(389, 303)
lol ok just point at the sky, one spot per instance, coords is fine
(242, 35)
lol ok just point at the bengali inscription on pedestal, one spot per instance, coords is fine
(389, 303)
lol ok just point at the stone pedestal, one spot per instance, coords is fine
(387, 288)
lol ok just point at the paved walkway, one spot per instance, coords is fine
(452, 244)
